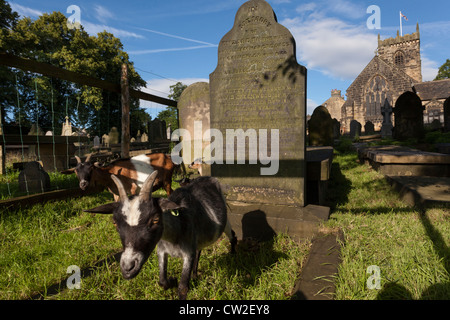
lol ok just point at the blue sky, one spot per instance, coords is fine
(176, 40)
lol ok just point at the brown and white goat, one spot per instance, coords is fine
(132, 173)
(191, 218)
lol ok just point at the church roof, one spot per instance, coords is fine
(429, 90)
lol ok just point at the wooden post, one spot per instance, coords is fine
(125, 91)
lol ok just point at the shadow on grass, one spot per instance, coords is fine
(437, 291)
(338, 187)
(251, 259)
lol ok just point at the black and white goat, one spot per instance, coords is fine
(191, 218)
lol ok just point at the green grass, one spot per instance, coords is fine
(410, 246)
(9, 184)
(38, 244)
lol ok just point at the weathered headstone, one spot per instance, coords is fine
(258, 90)
(408, 114)
(355, 128)
(447, 115)
(193, 106)
(96, 142)
(369, 128)
(113, 136)
(157, 131)
(33, 178)
(105, 140)
(386, 126)
(144, 137)
(320, 128)
(336, 129)
(66, 128)
(49, 133)
(138, 136)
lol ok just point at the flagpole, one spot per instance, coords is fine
(401, 32)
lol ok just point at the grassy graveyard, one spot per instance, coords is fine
(409, 246)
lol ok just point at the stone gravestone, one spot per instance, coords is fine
(96, 142)
(355, 128)
(105, 140)
(386, 126)
(33, 178)
(157, 131)
(66, 128)
(336, 129)
(408, 113)
(447, 115)
(320, 128)
(194, 116)
(113, 136)
(369, 128)
(258, 96)
(144, 137)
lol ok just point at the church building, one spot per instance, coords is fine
(394, 69)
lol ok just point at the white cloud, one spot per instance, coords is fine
(139, 52)
(93, 29)
(103, 13)
(25, 11)
(332, 46)
(430, 68)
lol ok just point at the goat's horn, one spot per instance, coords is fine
(78, 159)
(122, 193)
(88, 158)
(147, 187)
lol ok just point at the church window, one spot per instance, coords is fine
(399, 58)
(376, 92)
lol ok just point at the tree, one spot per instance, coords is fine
(48, 100)
(170, 115)
(444, 71)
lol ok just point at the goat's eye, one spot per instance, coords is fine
(155, 221)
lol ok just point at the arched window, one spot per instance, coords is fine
(399, 58)
(377, 90)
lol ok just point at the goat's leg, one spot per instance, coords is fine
(163, 281)
(195, 268)
(231, 236)
(188, 264)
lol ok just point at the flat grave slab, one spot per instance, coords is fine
(404, 161)
(422, 191)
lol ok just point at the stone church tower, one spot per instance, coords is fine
(403, 52)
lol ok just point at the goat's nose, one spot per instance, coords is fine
(129, 266)
(83, 184)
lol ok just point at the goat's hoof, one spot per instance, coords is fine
(182, 293)
(169, 283)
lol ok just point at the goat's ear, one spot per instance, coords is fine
(68, 171)
(104, 209)
(167, 205)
